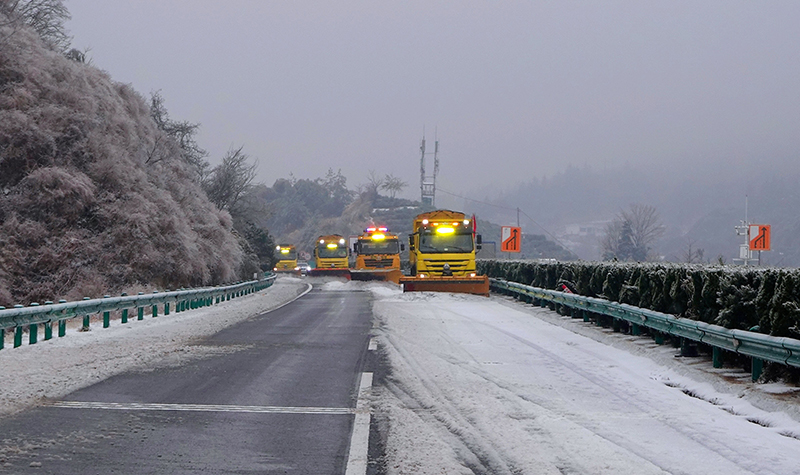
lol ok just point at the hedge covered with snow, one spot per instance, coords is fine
(733, 297)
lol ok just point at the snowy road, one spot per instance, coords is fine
(483, 386)
(491, 386)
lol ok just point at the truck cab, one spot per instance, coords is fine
(443, 243)
(287, 258)
(331, 256)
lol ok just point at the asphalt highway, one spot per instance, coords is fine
(278, 397)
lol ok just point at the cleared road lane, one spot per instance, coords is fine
(277, 396)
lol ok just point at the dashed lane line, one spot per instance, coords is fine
(359, 441)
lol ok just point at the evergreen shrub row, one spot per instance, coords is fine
(766, 300)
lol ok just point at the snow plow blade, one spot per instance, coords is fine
(382, 275)
(478, 285)
(333, 272)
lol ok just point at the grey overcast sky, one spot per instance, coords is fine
(517, 89)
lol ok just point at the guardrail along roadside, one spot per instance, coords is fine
(757, 346)
(49, 315)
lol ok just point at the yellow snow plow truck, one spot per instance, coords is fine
(442, 255)
(377, 255)
(330, 257)
(287, 259)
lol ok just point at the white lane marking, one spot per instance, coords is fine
(373, 344)
(135, 406)
(359, 441)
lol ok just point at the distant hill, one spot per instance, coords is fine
(94, 198)
(699, 207)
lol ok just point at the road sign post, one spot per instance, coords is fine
(510, 239)
(759, 237)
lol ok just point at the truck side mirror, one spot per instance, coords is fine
(402, 247)
(478, 242)
(411, 242)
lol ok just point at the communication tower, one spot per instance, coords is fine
(427, 183)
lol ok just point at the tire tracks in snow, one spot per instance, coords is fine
(434, 401)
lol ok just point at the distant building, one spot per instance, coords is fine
(595, 228)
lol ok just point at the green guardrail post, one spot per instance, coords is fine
(616, 325)
(217, 298)
(658, 337)
(140, 310)
(17, 332)
(86, 320)
(48, 326)
(124, 317)
(756, 366)
(166, 308)
(687, 347)
(33, 329)
(106, 315)
(2, 337)
(717, 357)
(636, 330)
(62, 324)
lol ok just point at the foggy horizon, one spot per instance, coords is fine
(514, 91)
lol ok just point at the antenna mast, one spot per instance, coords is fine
(427, 184)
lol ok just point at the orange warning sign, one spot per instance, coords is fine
(510, 239)
(759, 237)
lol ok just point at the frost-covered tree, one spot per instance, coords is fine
(181, 132)
(373, 184)
(630, 235)
(231, 180)
(46, 17)
(393, 184)
(338, 195)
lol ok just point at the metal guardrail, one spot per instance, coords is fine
(36, 315)
(758, 346)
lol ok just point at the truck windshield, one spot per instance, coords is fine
(289, 256)
(327, 253)
(379, 247)
(442, 243)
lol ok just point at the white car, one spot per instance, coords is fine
(303, 267)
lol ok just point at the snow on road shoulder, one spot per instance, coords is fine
(487, 386)
(51, 369)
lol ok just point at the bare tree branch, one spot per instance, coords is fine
(231, 180)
